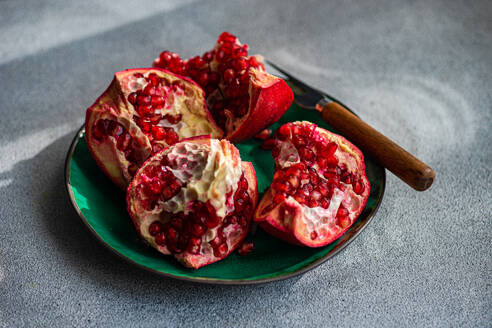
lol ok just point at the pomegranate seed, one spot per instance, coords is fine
(314, 235)
(284, 132)
(212, 221)
(123, 142)
(216, 241)
(132, 98)
(221, 250)
(246, 248)
(143, 99)
(172, 235)
(157, 101)
(149, 90)
(156, 186)
(253, 62)
(342, 212)
(158, 132)
(208, 56)
(160, 239)
(241, 52)
(165, 56)
(202, 78)
(226, 37)
(240, 64)
(145, 110)
(154, 228)
(278, 198)
(344, 222)
(197, 230)
(172, 119)
(171, 137)
(324, 203)
(138, 75)
(358, 187)
(229, 75)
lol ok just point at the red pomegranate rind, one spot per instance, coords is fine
(208, 215)
(141, 112)
(242, 97)
(338, 187)
(270, 98)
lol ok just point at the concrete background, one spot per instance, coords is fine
(419, 71)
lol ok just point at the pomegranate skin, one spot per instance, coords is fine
(270, 98)
(289, 220)
(114, 106)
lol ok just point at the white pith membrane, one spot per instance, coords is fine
(208, 172)
(318, 219)
(187, 101)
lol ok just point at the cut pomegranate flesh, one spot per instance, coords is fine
(242, 97)
(142, 112)
(194, 200)
(319, 187)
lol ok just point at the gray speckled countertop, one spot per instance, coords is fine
(420, 71)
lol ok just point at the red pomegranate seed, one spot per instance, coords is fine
(157, 101)
(156, 186)
(226, 37)
(202, 78)
(342, 212)
(154, 228)
(246, 248)
(132, 98)
(229, 75)
(358, 187)
(278, 198)
(149, 90)
(253, 62)
(221, 250)
(314, 235)
(143, 99)
(145, 110)
(123, 142)
(160, 239)
(197, 230)
(171, 137)
(158, 132)
(240, 64)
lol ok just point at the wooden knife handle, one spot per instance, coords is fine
(396, 159)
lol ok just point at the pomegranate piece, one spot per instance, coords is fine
(319, 187)
(242, 97)
(141, 112)
(246, 248)
(194, 200)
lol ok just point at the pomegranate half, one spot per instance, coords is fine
(319, 186)
(243, 98)
(194, 200)
(141, 112)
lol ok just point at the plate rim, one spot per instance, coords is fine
(213, 281)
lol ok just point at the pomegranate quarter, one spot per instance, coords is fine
(141, 112)
(194, 200)
(319, 186)
(242, 97)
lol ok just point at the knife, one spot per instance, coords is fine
(404, 165)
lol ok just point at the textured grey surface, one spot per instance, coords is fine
(420, 71)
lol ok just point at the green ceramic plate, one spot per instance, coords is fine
(101, 205)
